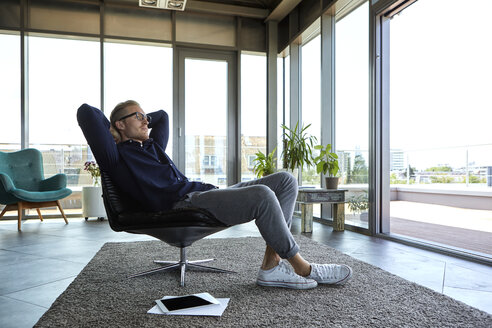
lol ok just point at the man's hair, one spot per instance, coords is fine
(116, 113)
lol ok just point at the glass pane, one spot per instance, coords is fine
(142, 73)
(311, 107)
(280, 107)
(253, 112)
(55, 86)
(10, 111)
(286, 115)
(311, 102)
(352, 111)
(283, 104)
(440, 141)
(206, 121)
(287, 91)
(63, 74)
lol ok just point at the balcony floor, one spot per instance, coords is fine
(39, 263)
(458, 227)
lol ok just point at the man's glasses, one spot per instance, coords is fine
(139, 117)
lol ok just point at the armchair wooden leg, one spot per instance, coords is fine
(39, 214)
(19, 214)
(61, 210)
(4, 210)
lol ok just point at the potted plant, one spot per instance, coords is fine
(94, 171)
(264, 164)
(327, 163)
(298, 147)
(359, 204)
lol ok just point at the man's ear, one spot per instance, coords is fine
(119, 124)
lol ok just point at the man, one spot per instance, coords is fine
(138, 164)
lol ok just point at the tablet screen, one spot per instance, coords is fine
(178, 303)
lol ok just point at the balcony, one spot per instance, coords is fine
(447, 214)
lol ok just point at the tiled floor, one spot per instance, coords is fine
(39, 263)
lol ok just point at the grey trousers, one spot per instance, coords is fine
(269, 201)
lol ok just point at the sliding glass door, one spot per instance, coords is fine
(207, 116)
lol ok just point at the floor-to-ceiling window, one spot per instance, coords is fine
(253, 111)
(352, 111)
(142, 73)
(63, 74)
(10, 91)
(440, 112)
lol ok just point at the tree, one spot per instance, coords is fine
(395, 180)
(412, 172)
(360, 171)
(349, 170)
(474, 179)
(443, 168)
(309, 176)
(442, 179)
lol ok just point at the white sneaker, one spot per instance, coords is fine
(334, 274)
(283, 276)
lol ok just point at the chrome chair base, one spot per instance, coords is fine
(182, 264)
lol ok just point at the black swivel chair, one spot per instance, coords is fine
(180, 227)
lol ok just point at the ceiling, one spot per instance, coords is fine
(263, 4)
(262, 9)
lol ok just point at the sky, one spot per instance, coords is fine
(441, 81)
(352, 81)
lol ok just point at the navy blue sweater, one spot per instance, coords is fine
(142, 170)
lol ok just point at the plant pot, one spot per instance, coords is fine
(331, 182)
(92, 202)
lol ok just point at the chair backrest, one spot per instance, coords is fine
(116, 202)
(24, 167)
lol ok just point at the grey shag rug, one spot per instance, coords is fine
(103, 296)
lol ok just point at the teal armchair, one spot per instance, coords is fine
(23, 186)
